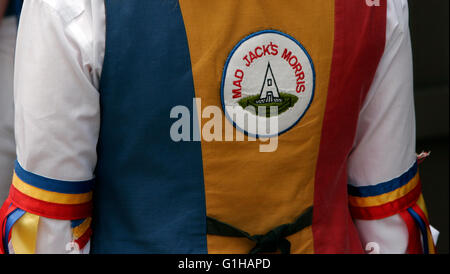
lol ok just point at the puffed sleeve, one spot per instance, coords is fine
(384, 183)
(57, 118)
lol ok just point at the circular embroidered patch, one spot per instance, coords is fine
(268, 84)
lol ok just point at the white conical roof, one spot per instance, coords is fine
(269, 85)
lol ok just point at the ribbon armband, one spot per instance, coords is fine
(31, 196)
(402, 195)
(54, 199)
(420, 239)
(385, 199)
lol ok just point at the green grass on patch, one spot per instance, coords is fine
(289, 101)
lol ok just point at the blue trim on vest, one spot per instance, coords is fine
(68, 187)
(225, 72)
(382, 188)
(149, 194)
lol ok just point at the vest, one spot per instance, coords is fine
(309, 59)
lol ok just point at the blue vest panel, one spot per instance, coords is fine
(149, 193)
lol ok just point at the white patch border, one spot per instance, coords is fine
(225, 69)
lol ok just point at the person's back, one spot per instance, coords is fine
(325, 86)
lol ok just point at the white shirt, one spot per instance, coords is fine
(60, 51)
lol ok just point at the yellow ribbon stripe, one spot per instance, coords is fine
(81, 229)
(24, 234)
(49, 196)
(384, 198)
(421, 204)
(431, 247)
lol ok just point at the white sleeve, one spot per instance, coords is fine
(59, 55)
(382, 167)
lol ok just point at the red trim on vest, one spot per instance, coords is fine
(50, 210)
(360, 37)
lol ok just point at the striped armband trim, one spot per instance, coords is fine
(55, 199)
(82, 231)
(420, 239)
(385, 199)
